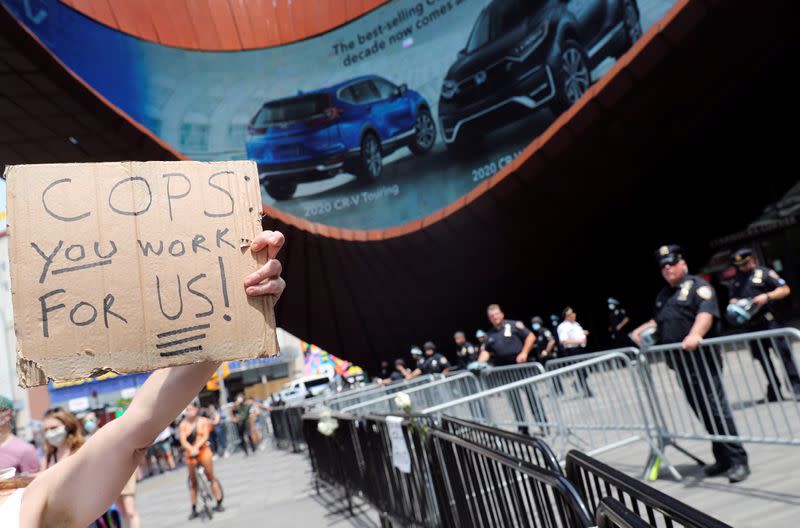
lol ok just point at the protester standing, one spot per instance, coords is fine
(14, 452)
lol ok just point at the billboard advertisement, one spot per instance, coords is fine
(376, 123)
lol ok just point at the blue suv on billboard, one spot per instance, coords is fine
(348, 127)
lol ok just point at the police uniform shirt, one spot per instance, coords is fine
(759, 280)
(396, 376)
(506, 342)
(543, 337)
(570, 331)
(466, 353)
(615, 317)
(677, 307)
(434, 364)
(421, 362)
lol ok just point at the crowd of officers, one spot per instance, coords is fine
(685, 311)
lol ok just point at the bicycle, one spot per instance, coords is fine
(205, 494)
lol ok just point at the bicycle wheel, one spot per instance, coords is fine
(206, 496)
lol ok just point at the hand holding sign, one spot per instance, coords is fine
(133, 266)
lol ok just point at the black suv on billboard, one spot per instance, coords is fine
(526, 54)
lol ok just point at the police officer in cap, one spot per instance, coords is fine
(764, 286)
(507, 343)
(686, 311)
(466, 352)
(433, 362)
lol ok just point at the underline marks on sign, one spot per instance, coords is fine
(81, 267)
(181, 340)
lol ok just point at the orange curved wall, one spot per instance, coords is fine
(223, 25)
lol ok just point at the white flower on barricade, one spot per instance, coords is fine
(403, 401)
(327, 427)
(327, 424)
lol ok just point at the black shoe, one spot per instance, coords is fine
(194, 515)
(219, 508)
(716, 469)
(738, 473)
(523, 430)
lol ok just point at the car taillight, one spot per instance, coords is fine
(330, 115)
(254, 130)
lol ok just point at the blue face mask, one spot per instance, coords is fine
(90, 426)
(536, 326)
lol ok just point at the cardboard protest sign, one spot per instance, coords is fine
(129, 267)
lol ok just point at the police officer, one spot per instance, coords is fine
(545, 342)
(466, 352)
(507, 343)
(764, 286)
(545, 347)
(417, 361)
(686, 311)
(480, 335)
(617, 321)
(400, 372)
(432, 362)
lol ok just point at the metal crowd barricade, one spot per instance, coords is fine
(596, 481)
(492, 377)
(352, 397)
(481, 487)
(613, 514)
(720, 392)
(337, 459)
(287, 427)
(611, 412)
(442, 390)
(557, 363)
(532, 450)
(408, 498)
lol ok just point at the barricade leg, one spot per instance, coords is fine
(707, 399)
(760, 348)
(784, 350)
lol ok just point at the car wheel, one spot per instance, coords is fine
(425, 135)
(573, 76)
(633, 24)
(281, 190)
(370, 159)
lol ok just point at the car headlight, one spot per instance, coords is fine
(449, 89)
(530, 43)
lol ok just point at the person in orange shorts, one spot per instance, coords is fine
(194, 432)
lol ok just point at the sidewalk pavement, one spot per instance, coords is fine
(273, 488)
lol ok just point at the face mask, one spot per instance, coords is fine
(612, 307)
(240, 399)
(56, 437)
(536, 326)
(90, 426)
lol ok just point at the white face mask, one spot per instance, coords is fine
(90, 426)
(56, 437)
(240, 399)
(612, 307)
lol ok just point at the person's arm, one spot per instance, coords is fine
(203, 428)
(183, 436)
(530, 340)
(636, 335)
(58, 496)
(781, 292)
(702, 324)
(623, 323)
(414, 373)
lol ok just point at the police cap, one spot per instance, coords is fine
(669, 254)
(399, 362)
(415, 351)
(742, 256)
(428, 346)
(479, 334)
(537, 320)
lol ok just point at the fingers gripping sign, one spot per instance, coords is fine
(267, 279)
